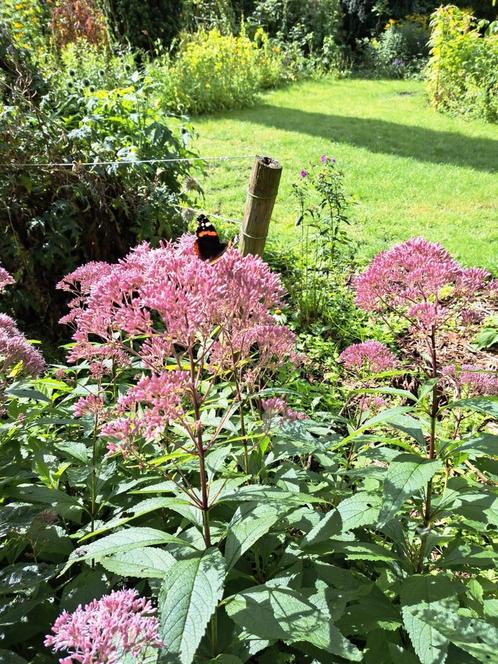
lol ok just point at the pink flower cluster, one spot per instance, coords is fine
(5, 279)
(14, 347)
(277, 407)
(371, 403)
(105, 630)
(90, 405)
(166, 307)
(415, 278)
(370, 355)
(478, 380)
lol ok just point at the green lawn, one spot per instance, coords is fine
(412, 170)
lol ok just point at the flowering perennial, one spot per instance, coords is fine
(181, 318)
(5, 279)
(478, 380)
(277, 407)
(14, 347)
(105, 630)
(415, 279)
(370, 355)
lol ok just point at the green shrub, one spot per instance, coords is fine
(213, 71)
(53, 218)
(400, 50)
(27, 22)
(403, 45)
(80, 69)
(141, 24)
(294, 20)
(208, 14)
(462, 72)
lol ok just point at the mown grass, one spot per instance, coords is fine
(412, 170)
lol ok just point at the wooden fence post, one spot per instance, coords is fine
(261, 195)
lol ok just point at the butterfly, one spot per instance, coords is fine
(207, 245)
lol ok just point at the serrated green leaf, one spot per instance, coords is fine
(486, 405)
(27, 393)
(363, 551)
(23, 577)
(286, 615)
(160, 487)
(249, 523)
(269, 495)
(423, 597)
(486, 444)
(124, 540)
(140, 509)
(361, 509)
(409, 425)
(477, 637)
(146, 563)
(406, 475)
(486, 338)
(393, 391)
(381, 418)
(76, 450)
(189, 596)
(327, 527)
(371, 613)
(216, 459)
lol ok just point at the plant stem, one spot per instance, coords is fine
(93, 490)
(431, 450)
(214, 635)
(204, 497)
(201, 452)
(242, 422)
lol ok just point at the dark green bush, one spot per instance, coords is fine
(143, 22)
(54, 218)
(364, 18)
(293, 19)
(401, 50)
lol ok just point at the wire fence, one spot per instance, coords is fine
(124, 162)
(187, 210)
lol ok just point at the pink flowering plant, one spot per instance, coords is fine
(166, 499)
(17, 356)
(192, 338)
(418, 288)
(107, 631)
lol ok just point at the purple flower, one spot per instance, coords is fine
(304, 174)
(15, 349)
(371, 355)
(480, 381)
(5, 279)
(324, 159)
(106, 630)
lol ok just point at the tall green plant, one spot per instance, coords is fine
(461, 72)
(326, 251)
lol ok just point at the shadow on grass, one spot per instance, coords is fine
(427, 145)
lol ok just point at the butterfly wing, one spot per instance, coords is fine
(208, 246)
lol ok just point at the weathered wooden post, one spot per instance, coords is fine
(261, 195)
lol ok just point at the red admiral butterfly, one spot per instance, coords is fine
(207, 245)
